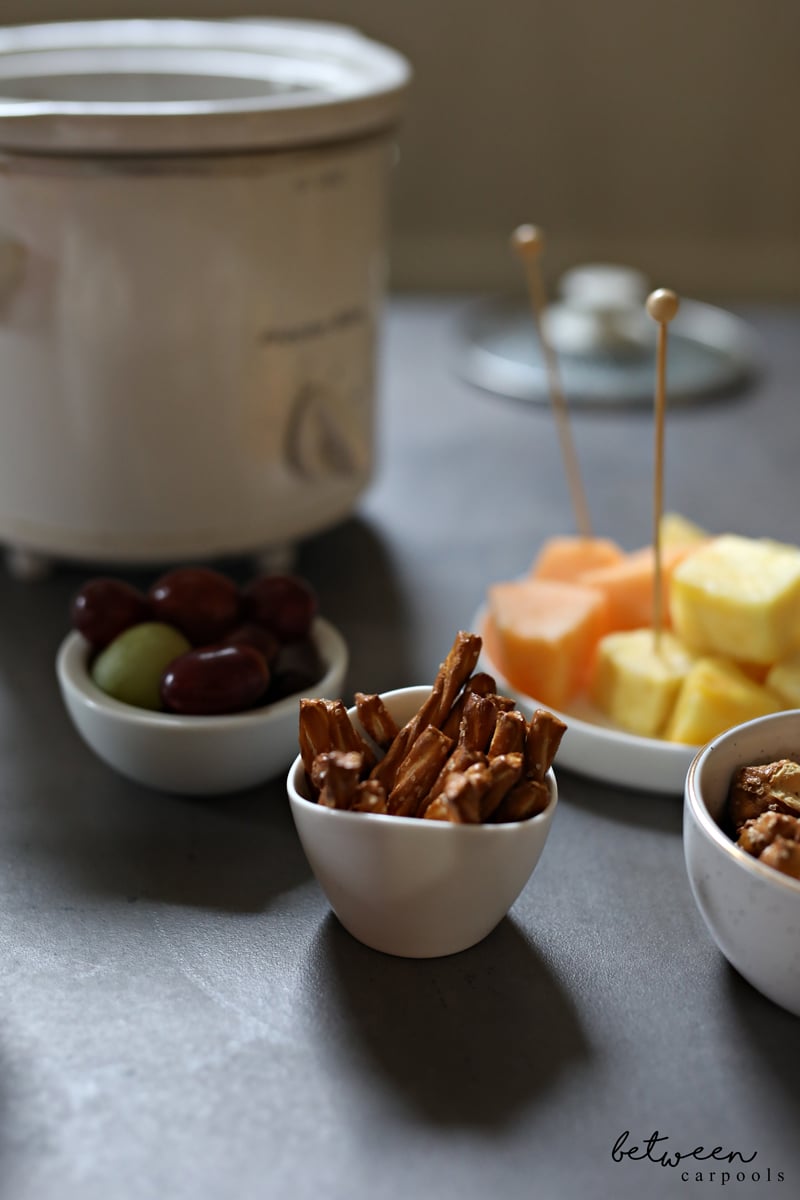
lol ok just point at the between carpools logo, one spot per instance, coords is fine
(698, 1165)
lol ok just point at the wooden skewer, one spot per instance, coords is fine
(528, 242)
(662, 305)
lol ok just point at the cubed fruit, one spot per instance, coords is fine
(563, 559)
(675, 530)
(740, 598)
(715, 695)
(629, 585)
(542, 636)
(637, 679)
(783, 678)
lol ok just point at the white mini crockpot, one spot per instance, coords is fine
(192, 262)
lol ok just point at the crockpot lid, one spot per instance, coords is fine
(167, 86)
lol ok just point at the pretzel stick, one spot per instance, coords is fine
(477, 722)
(509, 734)
(337, 774)
(505, 771)
(376, 719)
(369, 797)
(526, 799)
(460, 799)
(439, 809)
(315, 733)
(417, 771)
(461, 758)
(452, 673)
(344, 733)
(544, 738)
(482, 685)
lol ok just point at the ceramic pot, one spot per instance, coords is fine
(192, 264)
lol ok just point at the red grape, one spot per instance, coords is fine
(284, 604)
(296, 667)
(204, 604)
(250, 634)
(106, 607)
(221, 679)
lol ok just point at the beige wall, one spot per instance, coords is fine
(660, 134)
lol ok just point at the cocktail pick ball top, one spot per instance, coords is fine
(528, 240)
(662, 305)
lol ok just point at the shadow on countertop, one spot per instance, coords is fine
(653, 811)
(99, 836)
(468, 1040)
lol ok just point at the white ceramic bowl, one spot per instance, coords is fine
(416, 888)
(751, 910)
(195, 756)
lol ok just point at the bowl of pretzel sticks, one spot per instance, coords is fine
(423, 811)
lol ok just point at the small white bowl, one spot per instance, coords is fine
(410, 887)
(752, 911)
(193, 756)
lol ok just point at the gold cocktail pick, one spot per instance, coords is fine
(528, 242)
(662, 305)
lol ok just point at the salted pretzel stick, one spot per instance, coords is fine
(376, 719)
(314, 733)
(544, 738)
(477, 722)
(460, 799)
(481, 684)
(418, 770)
(461, 758)
(454, 672)
(526, 799)
(509, 734)
(455, 669)
(504, 771)
(337, 775)
(319, 769)
(370, 796)
(344, 734)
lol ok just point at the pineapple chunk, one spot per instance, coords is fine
(784, 679)
(636, 684)
(715, 695)
(675, 530)
(738, 598)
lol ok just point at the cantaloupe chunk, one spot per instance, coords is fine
(715, 695)
(740, 598)
(636, 679)
(563, 559)
(542, 636)
(629, 586)
(783, 678)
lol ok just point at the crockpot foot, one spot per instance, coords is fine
(26, 565)
(275, 560)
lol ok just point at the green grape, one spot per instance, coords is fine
(130, 668)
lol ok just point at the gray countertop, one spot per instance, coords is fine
(180, 1014)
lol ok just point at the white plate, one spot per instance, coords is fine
(595, 747)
